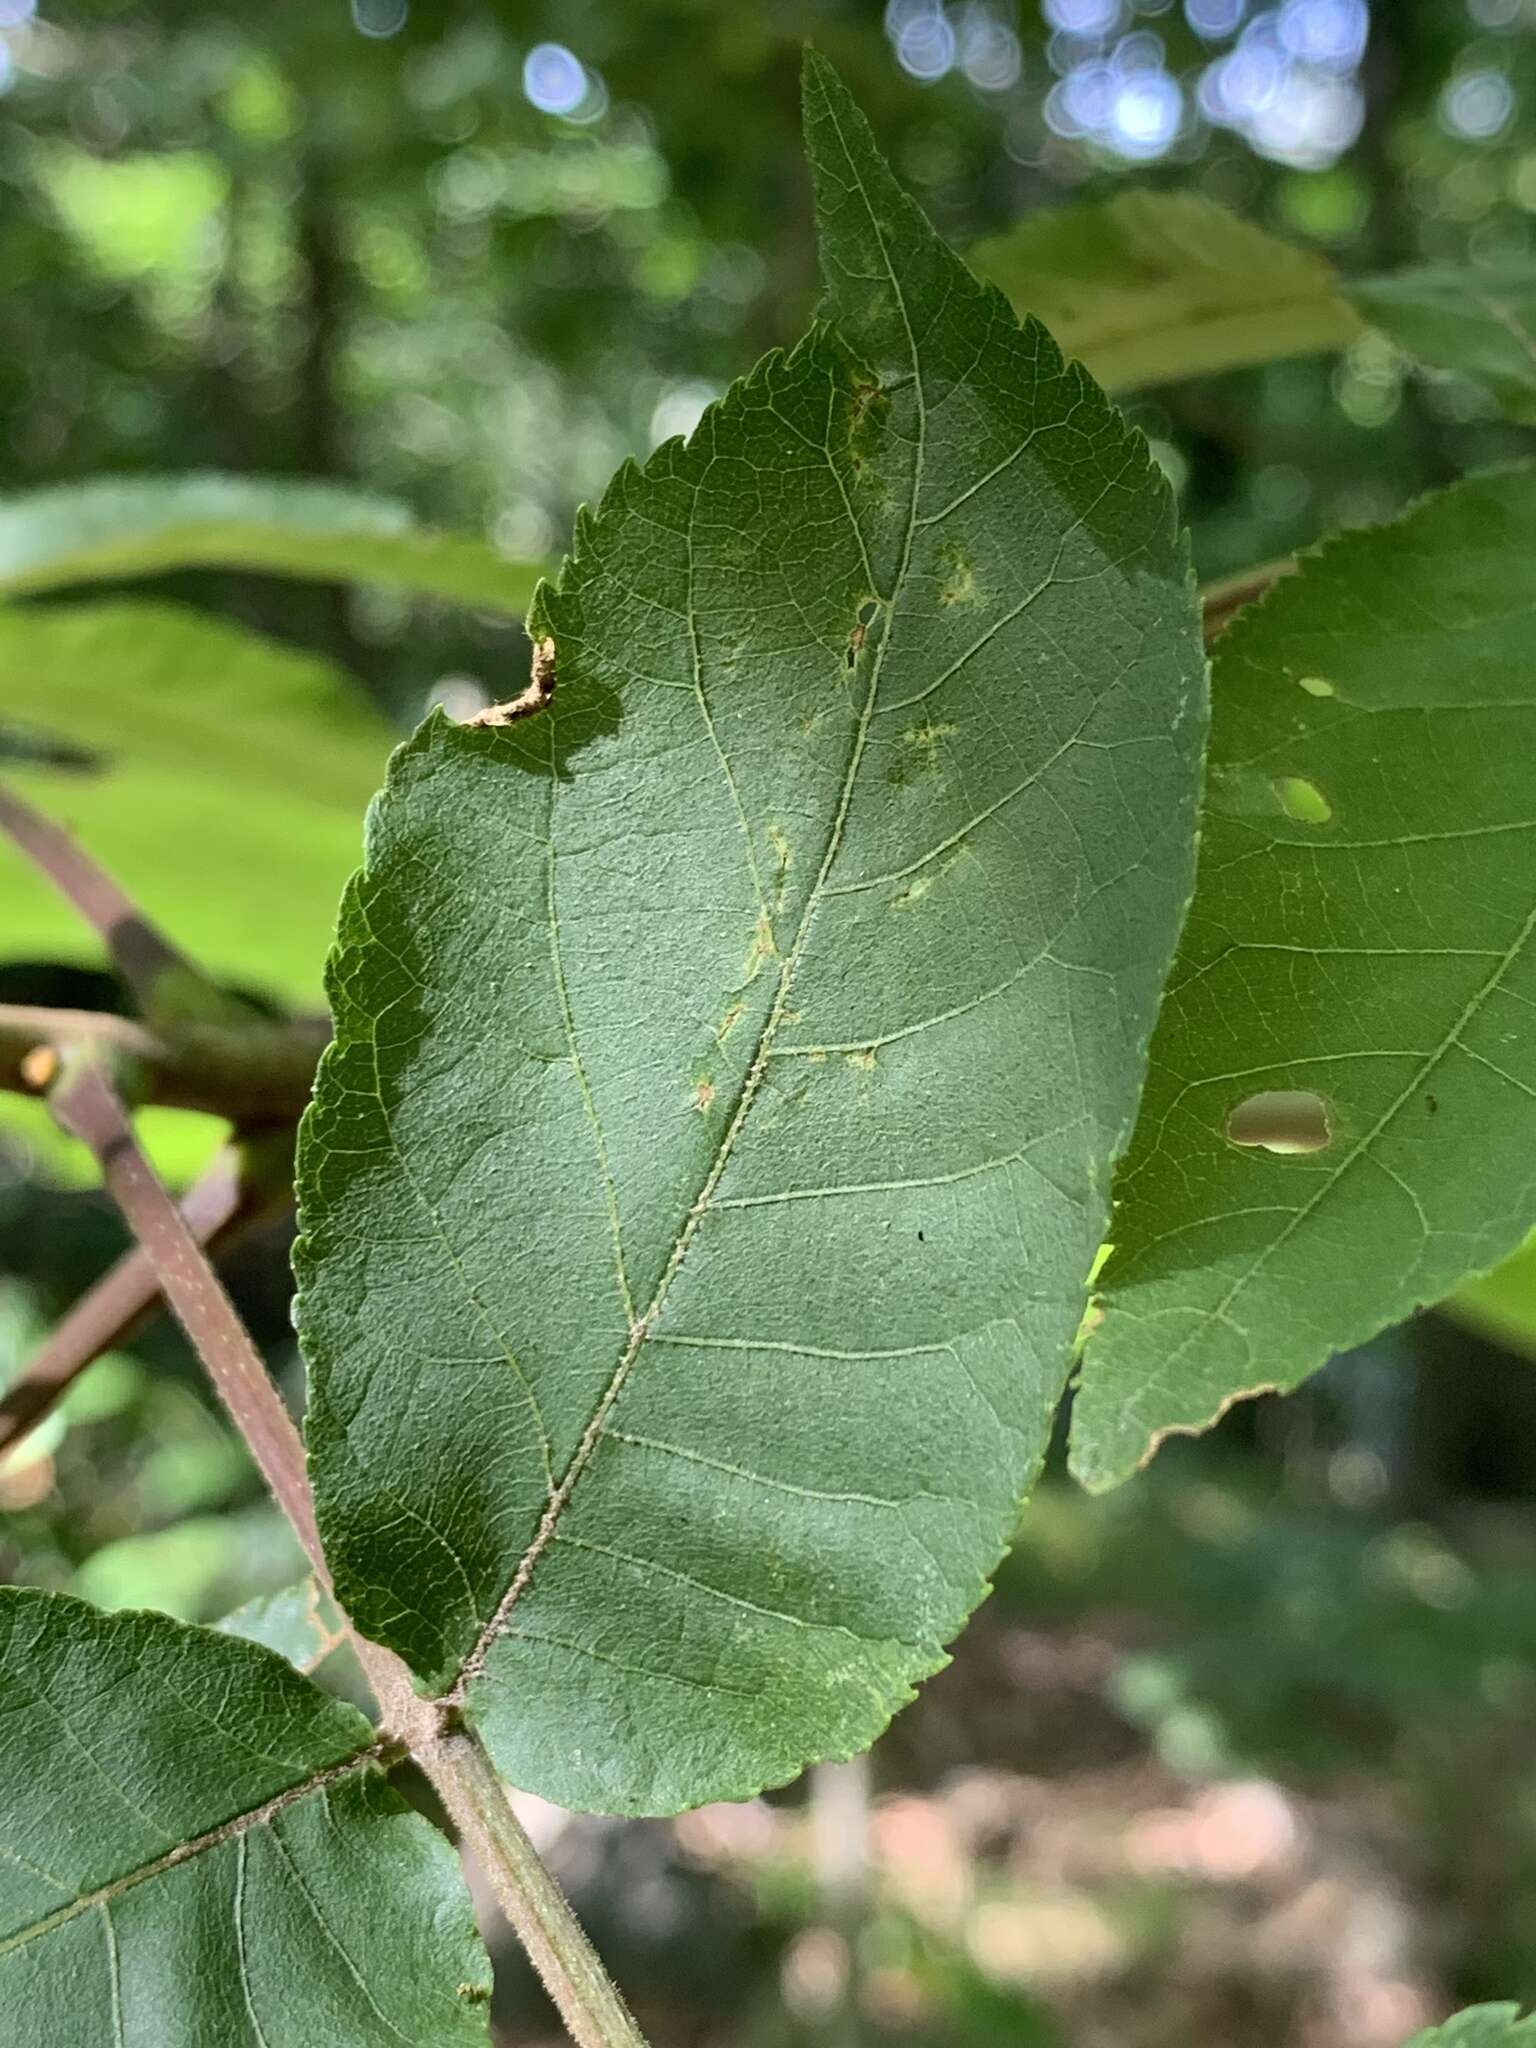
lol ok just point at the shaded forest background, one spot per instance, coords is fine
(1246, 1753)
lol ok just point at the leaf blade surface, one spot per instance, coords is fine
(196, 1846)
(730, 1057)
(1361, 936)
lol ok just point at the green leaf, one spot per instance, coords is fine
(300, 1623)
(197, 1846)
(145, 526)
(221, 782)
(1481, 2026)
(1479, 322)
(1502, 1304)
(698, 1200)
(1376, 962)
(1149, 287)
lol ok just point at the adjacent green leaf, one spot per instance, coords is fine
(300, 1623)
(147, 525)
(1502, 1304)
(1149, 287)
(197, 1846)
(1481, 2026)
(222, 781)
(1361, 942)
(698, 1200)
(1479, 322)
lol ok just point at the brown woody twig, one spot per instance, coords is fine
(141, 953)
(88, 1106)
(219, 1209)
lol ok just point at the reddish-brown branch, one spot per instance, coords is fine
(1222, 601)
(137, 948)
(218, 1210)
(87, 1106)
(253, 1072)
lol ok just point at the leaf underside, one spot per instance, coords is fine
(299, 1622)
(1364, 935)
(699, 1196)
(197, 1848)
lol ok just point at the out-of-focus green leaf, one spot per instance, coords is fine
(1359, 968)
(196, 1845)
(300, 1623)
(192, 1569)
(1481, 323)
(145, 526)
(1502, 1304)
(1481, 2026)
(227, 777)
(700, 1196)
(1149, 287)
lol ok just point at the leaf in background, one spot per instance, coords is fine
(698, 1202)
(1149, 287)
(1502, 1304)
(1479, 322)
(300, 1623)
(187, 1827)
(146, 526)
(231, 773)
(1360, 945)
(1481, 2026)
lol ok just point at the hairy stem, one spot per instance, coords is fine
(87, 1105)
(249, 1184)
(584, 1994)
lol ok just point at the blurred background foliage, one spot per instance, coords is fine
(1243, 1754)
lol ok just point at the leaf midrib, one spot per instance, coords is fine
(640, 1328)
(227, 1831)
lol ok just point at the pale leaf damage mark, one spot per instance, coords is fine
(541, 688)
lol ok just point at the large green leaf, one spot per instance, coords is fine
(1149, 287)
(197, 1846)
(1481, 2026)
(221, 782)
(698, 1200)
(1361, 937)
(145, 526)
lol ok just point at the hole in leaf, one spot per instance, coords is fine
(1283, 1120)
(1302, 800)
(1318, 686)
